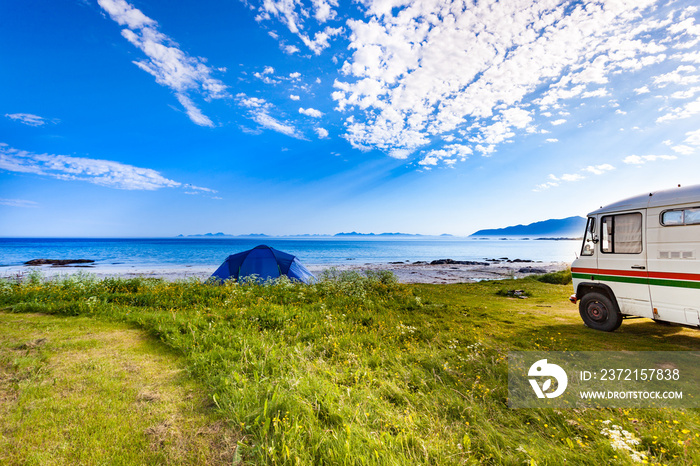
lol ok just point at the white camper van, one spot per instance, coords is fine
(641, 257)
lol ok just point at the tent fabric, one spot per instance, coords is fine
(265, 263)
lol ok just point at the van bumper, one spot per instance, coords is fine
(573, 298)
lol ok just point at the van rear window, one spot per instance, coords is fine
(621, 234)
(681, 217)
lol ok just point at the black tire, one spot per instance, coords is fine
(599, 312)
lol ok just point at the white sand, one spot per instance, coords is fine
(405, 272)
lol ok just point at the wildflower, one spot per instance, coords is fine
(623, 440)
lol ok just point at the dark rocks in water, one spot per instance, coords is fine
(420, 263)
(531, 270)
(58, 262)
(520, 260)
(399, 262)
(454, 262)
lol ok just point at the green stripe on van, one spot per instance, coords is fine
(638, 280)
(676, 283)
(611, 278)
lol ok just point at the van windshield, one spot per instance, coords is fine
(588, 247)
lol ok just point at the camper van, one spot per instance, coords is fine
(641, 258)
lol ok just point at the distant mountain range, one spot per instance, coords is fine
(354, 233)
(565, 227)
(220, 235)
(260, 235)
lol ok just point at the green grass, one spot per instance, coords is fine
(362, 370)
(84, 391)
(562, 277)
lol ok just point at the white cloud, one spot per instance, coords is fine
(558, 122)
(28, 119)
(428, 160)
(259, 111)
(422, 69)
(193, 112)
(693, 137)
(684, 111)
(165, 61)
(294, 13)
(18, 203)
(294, 97)
(681, 75)
(551, 140)
(642, 90)
(683, 149)
(599, 169)
(101, 172)
(312, 112)
(323, 10)
(321, 39)
(571, 177)
(640, 160)
(447, 154)
(686, 93)
(322, 133)
(601, 92)
(543, 186)
(267, 75)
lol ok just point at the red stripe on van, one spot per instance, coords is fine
(623, 273)
(635, 273)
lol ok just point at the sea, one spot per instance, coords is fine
(174, 252)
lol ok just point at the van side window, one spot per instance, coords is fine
(588, 244)
(681, 217)
(621, 234)
(692, 216)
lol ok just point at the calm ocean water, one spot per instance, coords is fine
(323, 251)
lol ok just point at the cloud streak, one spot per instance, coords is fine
(96, 171)
(170, 66)
(259, 111)
(18, 203)
(642, 159)
(555, 181)
(294, 13)
(29, 119)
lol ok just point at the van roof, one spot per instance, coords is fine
(666, 197)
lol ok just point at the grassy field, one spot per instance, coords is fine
(83, 391)
(352, 370)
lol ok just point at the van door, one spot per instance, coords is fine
(622, 262)
(673, 254)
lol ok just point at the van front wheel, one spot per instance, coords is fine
(599, 312)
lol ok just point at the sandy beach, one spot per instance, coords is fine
(406, 272)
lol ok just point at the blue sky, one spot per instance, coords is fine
(139, 118)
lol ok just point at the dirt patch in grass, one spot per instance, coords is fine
(78, 390)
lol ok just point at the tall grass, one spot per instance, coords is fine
(353, 369)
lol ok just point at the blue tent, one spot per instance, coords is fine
(264, 262)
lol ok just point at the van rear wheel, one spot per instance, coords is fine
(599, 312)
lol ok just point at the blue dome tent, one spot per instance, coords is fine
(264, 262)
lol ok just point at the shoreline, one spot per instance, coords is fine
(406, 272)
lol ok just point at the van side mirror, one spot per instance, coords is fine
(595, 239)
